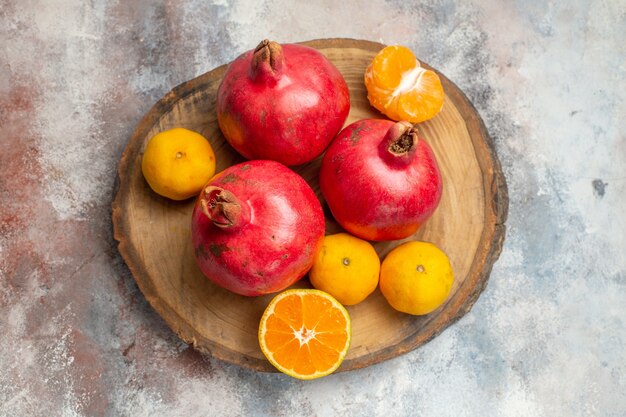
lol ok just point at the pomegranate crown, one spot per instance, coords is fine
(267, 60)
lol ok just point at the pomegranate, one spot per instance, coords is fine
(256, 228)
(282, 102)
(380, 179)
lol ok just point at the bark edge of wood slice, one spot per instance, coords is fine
(155, 242)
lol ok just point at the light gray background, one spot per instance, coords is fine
(546, 338)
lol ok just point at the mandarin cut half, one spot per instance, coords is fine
(400, 88)
(305, 333)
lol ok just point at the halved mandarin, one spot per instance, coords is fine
(305, 333)
(399, 87)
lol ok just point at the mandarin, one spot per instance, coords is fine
(399, 87)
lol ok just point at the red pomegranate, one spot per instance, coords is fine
(380, 179)
(282, 102)
(256, 228)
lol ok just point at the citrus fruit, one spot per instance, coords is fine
(346, 267)
(177, 163)
(399, 87)
(305, 333)
(416, 277)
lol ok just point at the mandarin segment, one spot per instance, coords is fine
(430, 95)
(323, 357)
(276, 340)
(304, 363)
(290, 311)
(286, 355)
(276, 324)
(390, 64)
(378, 98)
(332, 339)
(331, 321)
(313, 309)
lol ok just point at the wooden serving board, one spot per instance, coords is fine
(155, 241)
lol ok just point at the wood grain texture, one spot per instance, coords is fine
(154, 233)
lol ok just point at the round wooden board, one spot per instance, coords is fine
(154, 233)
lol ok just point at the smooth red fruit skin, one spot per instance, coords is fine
(374, 193)
(287, 108)
(266, 226)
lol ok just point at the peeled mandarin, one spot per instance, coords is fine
(399, 87)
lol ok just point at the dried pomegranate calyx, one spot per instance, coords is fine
(221, 207)
(267, 59)
(401, 138)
